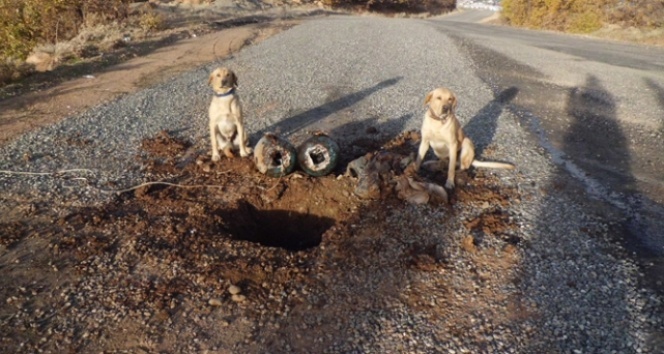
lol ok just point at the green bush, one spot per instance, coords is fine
(24, 23)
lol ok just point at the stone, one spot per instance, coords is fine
(234, 289)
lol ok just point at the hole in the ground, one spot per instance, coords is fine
(287, 229)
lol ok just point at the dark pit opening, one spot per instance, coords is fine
(286, 229)
(317, 157)
(277, 158)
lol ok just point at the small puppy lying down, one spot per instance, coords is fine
(226, 127)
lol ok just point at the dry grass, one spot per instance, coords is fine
(152, 21)
(51, 24)
(90, 42)
(11, 69)
(25, 23)
(40, 35)
(584, 16)
(654, 36)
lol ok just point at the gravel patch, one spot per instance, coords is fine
(552, 281)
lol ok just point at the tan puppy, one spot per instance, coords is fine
(226, 127)
(442, 132)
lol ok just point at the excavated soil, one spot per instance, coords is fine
(150, 270)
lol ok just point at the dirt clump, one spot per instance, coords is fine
(151, 270)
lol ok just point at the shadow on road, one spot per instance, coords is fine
(359, 137)
(586, 142)
(595, 140)
(482, 127)
(365, 280)
(655, 270)
(595, 149)
(595, 125)
(659, 91)
(290, 125)
(560, 241)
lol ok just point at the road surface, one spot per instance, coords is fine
(581, 118)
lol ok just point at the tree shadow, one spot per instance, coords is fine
(290, 125)
(482, 127)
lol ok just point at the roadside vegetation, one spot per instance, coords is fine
(27, 22)
(41, 34)
(638, 20)
(395, 6)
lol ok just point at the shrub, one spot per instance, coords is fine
(584, 22)
(11, 70)
(391, 6)
(583, 16)
(151, 21)
(638, 13)
(24, 23)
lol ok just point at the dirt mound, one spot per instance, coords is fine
(152, 269)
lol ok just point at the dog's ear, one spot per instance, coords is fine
(454, 103)
(210, 79)
(234, 79)
(428, 98)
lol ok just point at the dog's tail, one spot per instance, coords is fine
(493, 164)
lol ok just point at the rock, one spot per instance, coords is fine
(234, 289)
(238, 298)
(214, 302)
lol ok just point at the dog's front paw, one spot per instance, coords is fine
(449, 184)
(246, 152)
(216, 157)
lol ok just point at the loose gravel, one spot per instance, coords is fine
(563, 288)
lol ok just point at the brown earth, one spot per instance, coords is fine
(149, 272)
